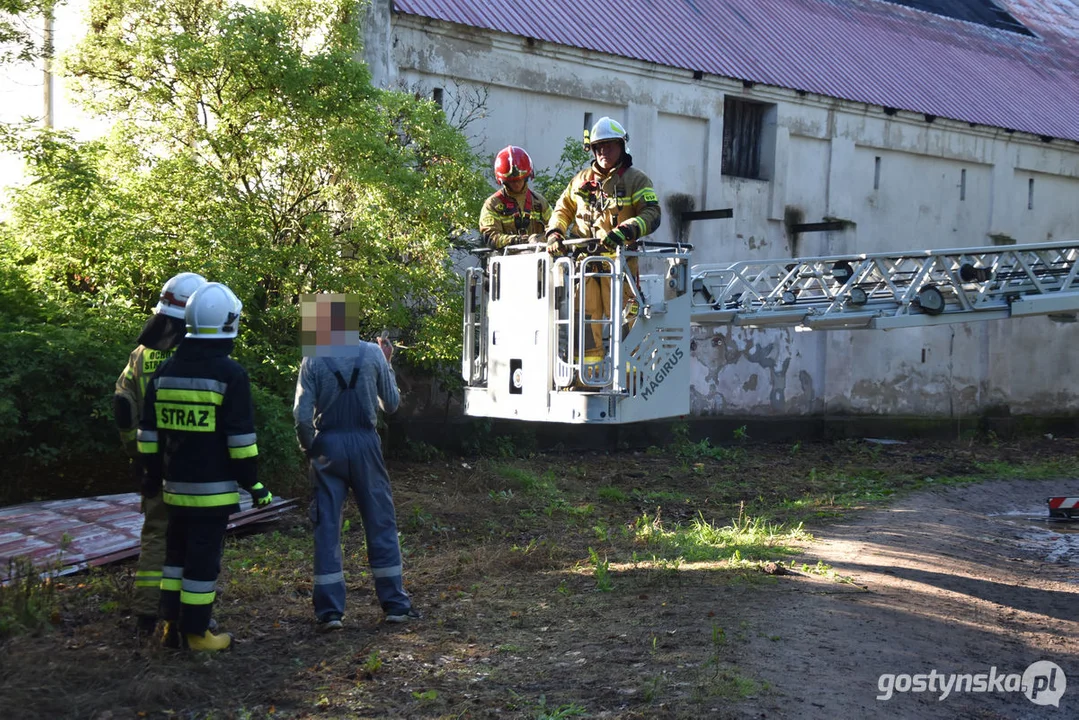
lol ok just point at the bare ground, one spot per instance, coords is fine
(519, 625)
(938, 581)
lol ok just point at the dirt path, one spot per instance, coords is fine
(954, 581)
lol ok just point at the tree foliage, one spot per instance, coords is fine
(247, 144)
(250, 145)
(22, 29)
(553, 180)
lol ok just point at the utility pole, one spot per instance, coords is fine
(47, 53)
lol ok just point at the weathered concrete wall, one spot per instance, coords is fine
(941, 184)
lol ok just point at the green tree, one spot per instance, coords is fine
(22, 29)
(250, 144)
(247, 144)
(552, 181)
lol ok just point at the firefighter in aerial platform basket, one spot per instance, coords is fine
(516, 214)
(614, 202)
(156, 343)
(197, 436)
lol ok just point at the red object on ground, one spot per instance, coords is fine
(1064, 507)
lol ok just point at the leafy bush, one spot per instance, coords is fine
(295, 175)
(57, 370)
(281, 464)
(58, 366)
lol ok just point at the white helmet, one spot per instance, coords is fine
(213, 312)
(608, 129)
(177, 292)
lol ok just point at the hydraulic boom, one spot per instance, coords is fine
(531, 318)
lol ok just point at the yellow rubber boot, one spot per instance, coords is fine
(208, 641)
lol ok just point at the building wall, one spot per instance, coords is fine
(820, 163)
(941, 184)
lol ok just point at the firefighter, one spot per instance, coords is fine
(516, 213)
(197, 436)
(339, 390)
(612, 201)
(160, 335)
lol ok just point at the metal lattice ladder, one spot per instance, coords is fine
(891, 290)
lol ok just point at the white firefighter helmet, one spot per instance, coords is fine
(608, 129)
(213, 312)
(177, 292)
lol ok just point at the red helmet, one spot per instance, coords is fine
(512, 162)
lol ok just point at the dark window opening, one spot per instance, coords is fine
(743, 124)
(436, 95)
(982, 12)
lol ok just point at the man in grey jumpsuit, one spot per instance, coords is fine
(342, 383)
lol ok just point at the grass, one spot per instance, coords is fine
(542, 578)
(601, 570)
(699, 540)
(28, 603)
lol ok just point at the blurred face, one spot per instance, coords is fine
(608, 153)
(516, 185)
(329, 324)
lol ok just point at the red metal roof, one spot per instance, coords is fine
(867, 51)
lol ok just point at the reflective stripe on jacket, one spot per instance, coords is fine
(198, 429)
(131, 385)
(594, 204)
(506, 217)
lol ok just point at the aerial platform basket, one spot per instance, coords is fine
(537, 347)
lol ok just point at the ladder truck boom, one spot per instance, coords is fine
(885, 290)
(530, 319)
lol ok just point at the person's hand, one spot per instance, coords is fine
(617, 237)
(554, 241)
(260, 496)
(386, 346)
(536, 239)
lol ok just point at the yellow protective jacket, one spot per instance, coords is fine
(509, 218)
(130, 390)
(594, 204)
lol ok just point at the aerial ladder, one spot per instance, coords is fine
(525, 315)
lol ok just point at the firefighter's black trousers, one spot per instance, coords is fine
(192, 563)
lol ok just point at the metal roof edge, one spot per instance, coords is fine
(806, 97)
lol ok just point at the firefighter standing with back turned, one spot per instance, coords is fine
(197, 434)
(612, 201)
(157, 341)
(516, 213)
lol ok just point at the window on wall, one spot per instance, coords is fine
(743, 137)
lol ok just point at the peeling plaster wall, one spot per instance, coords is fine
(820, 164)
